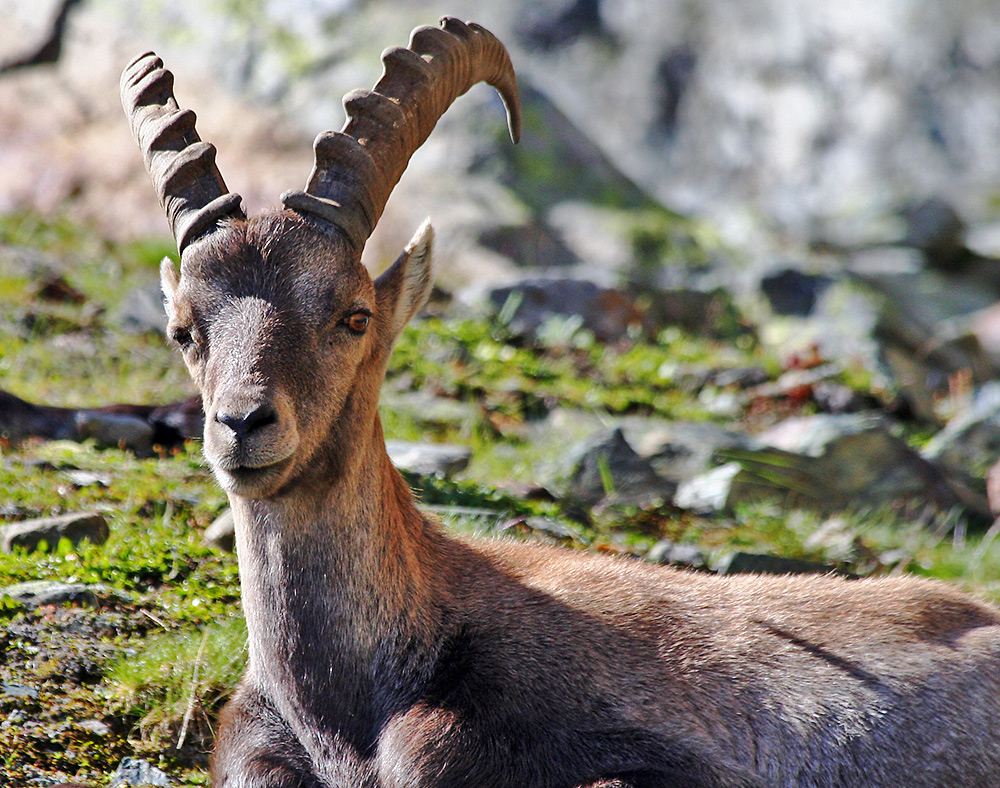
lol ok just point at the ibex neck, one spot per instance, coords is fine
(337, 595)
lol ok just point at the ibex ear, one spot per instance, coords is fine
(405, 285)
(168, 282)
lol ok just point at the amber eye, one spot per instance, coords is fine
(358, 322)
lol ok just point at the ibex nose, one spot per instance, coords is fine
(242, 426)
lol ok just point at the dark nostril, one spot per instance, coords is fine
(242, 426)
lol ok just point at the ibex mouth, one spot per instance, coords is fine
(252, 482)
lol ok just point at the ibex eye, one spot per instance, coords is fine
(181, 336)
(358, 322)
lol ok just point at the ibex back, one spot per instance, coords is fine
(383, 652)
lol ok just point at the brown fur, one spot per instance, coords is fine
(385, 653)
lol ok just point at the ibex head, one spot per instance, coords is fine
(280, 325)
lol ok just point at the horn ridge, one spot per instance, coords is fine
(181, 166)
(387, 124)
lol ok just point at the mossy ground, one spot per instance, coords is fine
(159, 660)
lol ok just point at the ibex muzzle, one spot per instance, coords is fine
(383, 652)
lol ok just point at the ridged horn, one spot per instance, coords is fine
(181, 166)
(357, 168)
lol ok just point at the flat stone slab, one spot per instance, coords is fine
(29, 534)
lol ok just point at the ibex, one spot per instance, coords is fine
(383, 652)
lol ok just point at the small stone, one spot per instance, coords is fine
(116, 430)
(222, 532)
(707, 493)
(95, 727)
(135, 772)
(608, 470)
(19, 691)
(428, 459)
(29, 534)
(667, 552)
(142, 311)
(38, 593)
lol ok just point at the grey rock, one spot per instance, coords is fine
(812, 435)
(142, 311)
(37, 593)
(608, 471)
(830, 463)
(970, 441)
(28, 534)
(709, 313)
(527, 307)
(18, 690)
(222, 532)
(681, 450)
(95, 727)
(935, 228)
(116, 430)
(668, 552)
(709, 492)
(428, 459)
(135, 772)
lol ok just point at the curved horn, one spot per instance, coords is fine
(181, 166)
(357, 168)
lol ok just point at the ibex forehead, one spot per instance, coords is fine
(279, 258)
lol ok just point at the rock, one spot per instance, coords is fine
(754, 563)
(222, 532)
(681, 450)
(709, 313)
(609, 471)
(96, 727)
(927, 330)
(547, 29)
(142, 311)
(970, 441)
(37, 593)
(709, 492)
(827, 464)
(134, 772)
(55, 288)
(19, 691)
(793, 292)
(532, 244)
(116, 430)
(983, 240)
(528, 306)
(178, 421)
(813, 435)
(668, 552)
(29, 534)
(428, 459)
(935, 228)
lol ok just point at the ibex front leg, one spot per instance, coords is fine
(256, 748)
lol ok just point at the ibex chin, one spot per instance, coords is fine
(383, 652)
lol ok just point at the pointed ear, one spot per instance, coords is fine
(168, 282)
(405, 285)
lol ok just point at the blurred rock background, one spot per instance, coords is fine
(821, 177)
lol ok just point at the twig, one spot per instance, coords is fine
(154, 619)
(189, 711)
